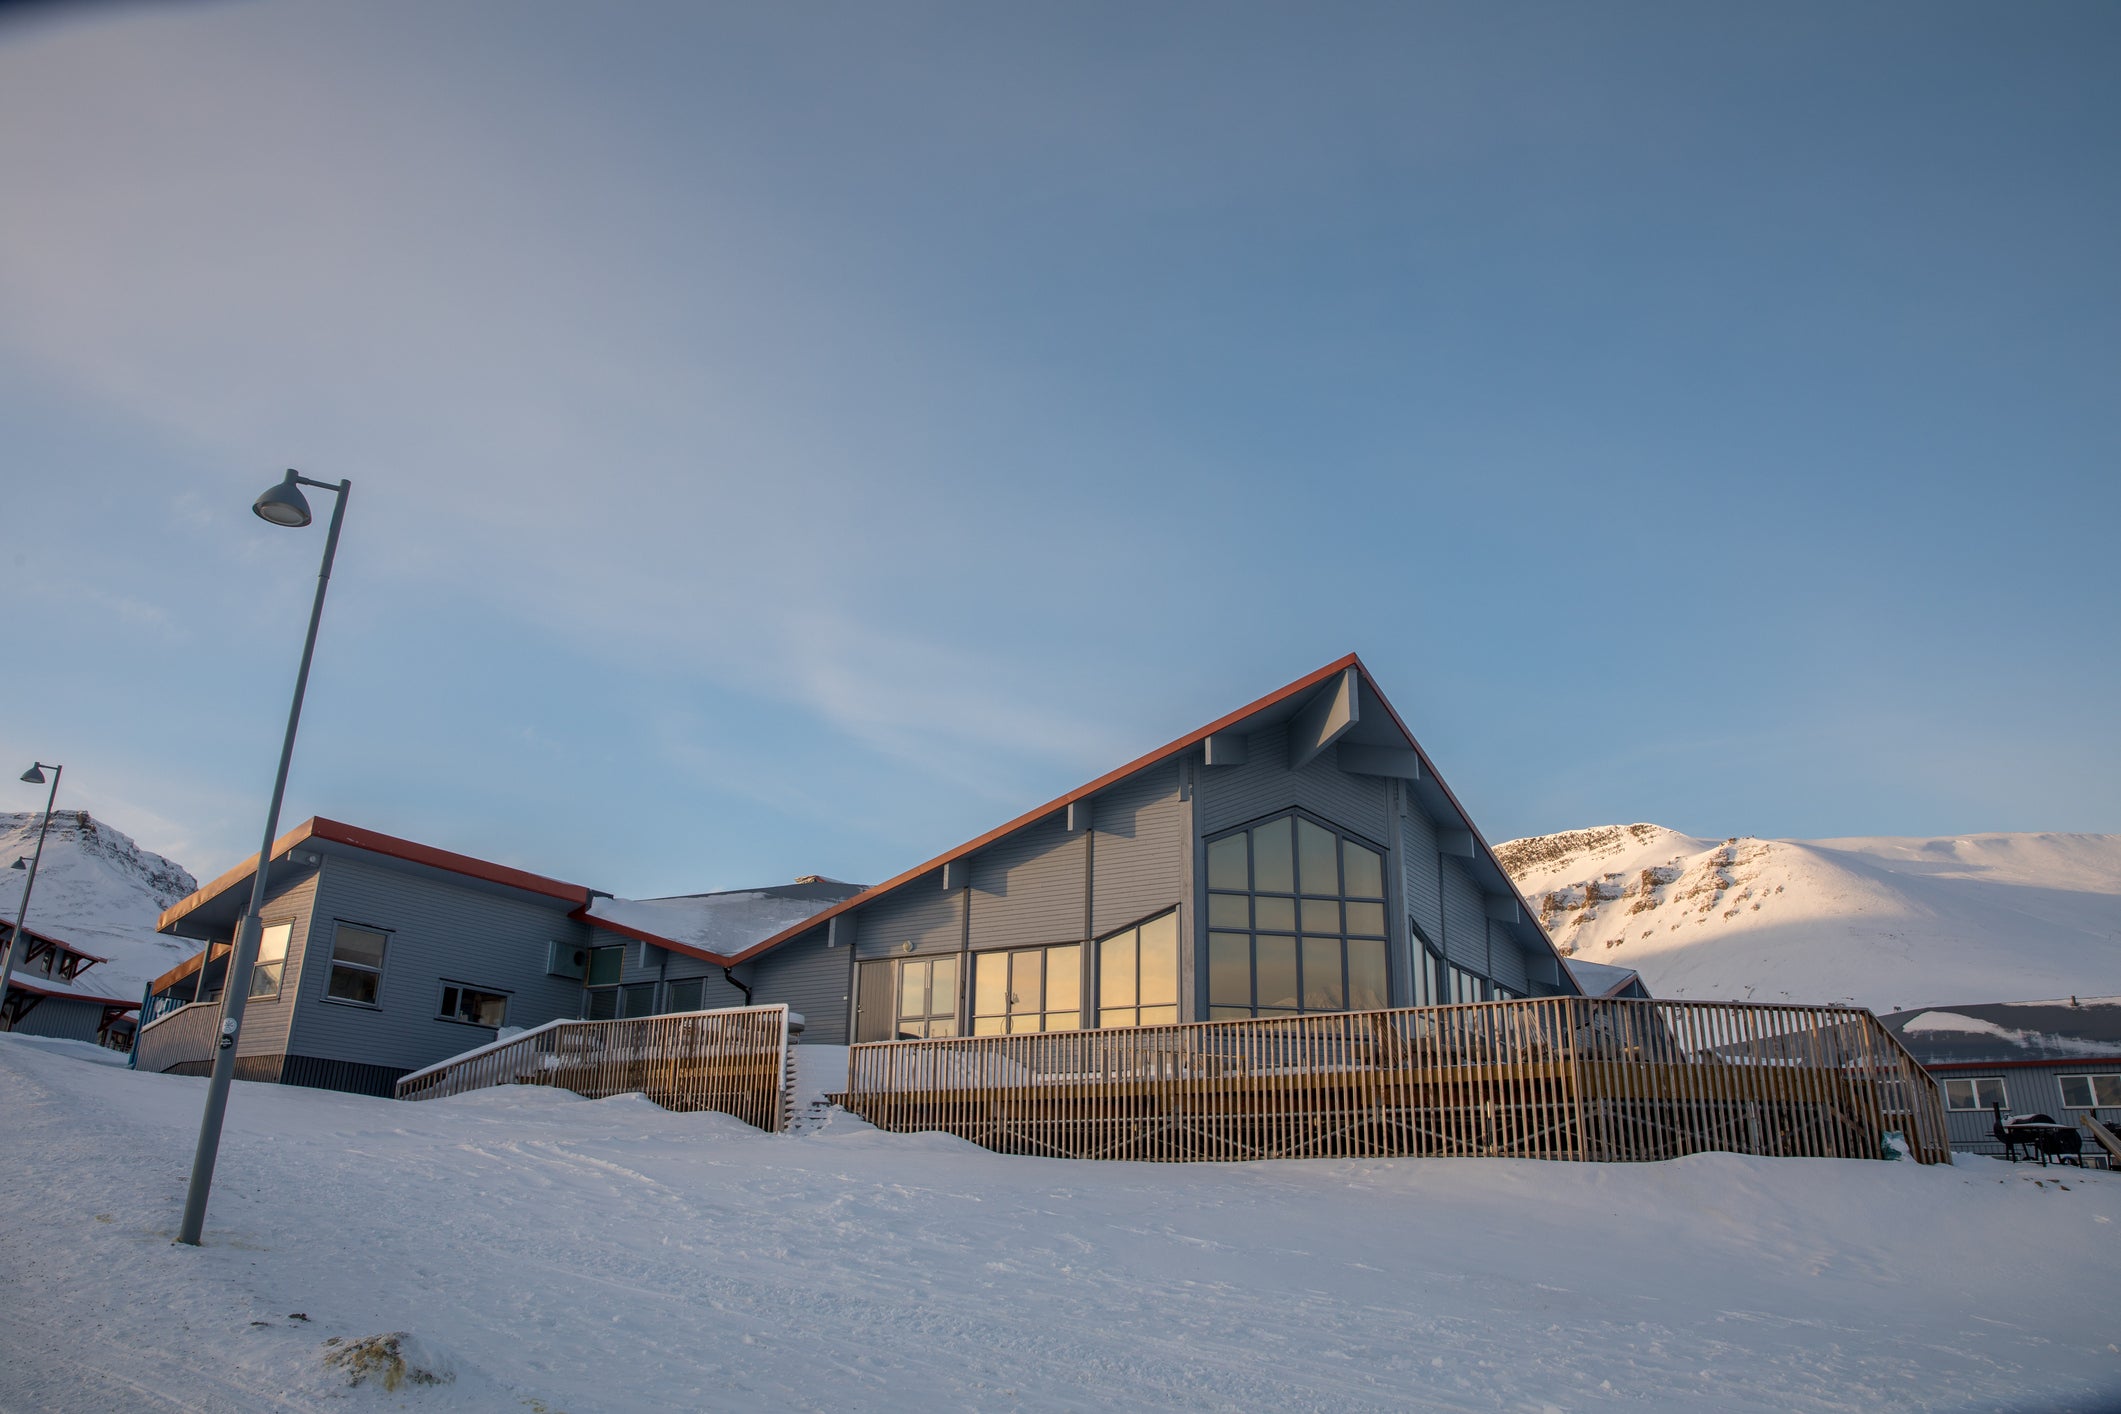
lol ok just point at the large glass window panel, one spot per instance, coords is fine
(1275, 960)
(1159, 1016)
(913, 989)
(1159, 962)
(942, 987)
(1314, 858)
(685, 995)
(605, 965)
(1365, 868)
(990, 985)
(1273, 861)
(1064, 984)
(1229, 911)
(359, 946)
(356, 965)
(1226, 863)
(1116, 970)
(1321, 915)
(1369, 979)
(1276, 915)
(1229, 971)
(1366, 919)
(1323, 990)
(272, 960)
(1027, 982)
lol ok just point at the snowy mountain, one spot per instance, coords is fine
(97, 890)
(1887, 923)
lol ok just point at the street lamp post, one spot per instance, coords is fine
(283, 504)
(35, 776)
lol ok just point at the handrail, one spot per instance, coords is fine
(1543, 1077)
(734, 1060)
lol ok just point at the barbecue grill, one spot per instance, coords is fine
(2040, 1136)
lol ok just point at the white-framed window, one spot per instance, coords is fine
(265, 974)
(357, 965)
(1976, 1093)
(2091, 1092)
(473, 1006)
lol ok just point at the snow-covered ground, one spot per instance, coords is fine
(561, 1254)
(1889, 924)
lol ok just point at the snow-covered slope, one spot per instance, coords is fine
(1886, 923)
(97, 890)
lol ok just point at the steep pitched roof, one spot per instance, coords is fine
(1279, 698)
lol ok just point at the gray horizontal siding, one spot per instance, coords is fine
(919, 913)
(1028, 889)
(266, 1021)
(1140, 859)
(437, 930)
(1417, 838)
(1264, 784)
(810, 978)
(1465, 920)
(1506, 957)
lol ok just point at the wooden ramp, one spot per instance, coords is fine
(737, 1061)
(1545, 1078)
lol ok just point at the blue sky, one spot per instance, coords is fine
(794, 439)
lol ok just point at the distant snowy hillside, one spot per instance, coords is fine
(97, 890)
(1887, 923)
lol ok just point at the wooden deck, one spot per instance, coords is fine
(1545, 1078)
(736, 1061)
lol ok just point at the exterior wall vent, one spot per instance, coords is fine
(566, 960)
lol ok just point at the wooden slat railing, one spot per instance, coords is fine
(184, 1036)
(736, 1060)
(1544, 1078)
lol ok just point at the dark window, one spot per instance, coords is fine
(1983, 1093)
(684, 995)
(605, 965)
(356, 965)
(1027, 989)
(1296, 919)
(473, 1006)
(2091, 1092)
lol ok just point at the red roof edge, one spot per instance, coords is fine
(1191, 739)
(391, 846)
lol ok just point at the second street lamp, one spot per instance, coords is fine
(35, 776)
(282, 504)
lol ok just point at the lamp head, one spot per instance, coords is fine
(283, 504)
(17, 864)
(34, 776)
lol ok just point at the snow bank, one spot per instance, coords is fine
(611, 1256)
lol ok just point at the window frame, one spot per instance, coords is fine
(450, 984)
(1301, 932)
(278, 963)
(1045, 1011)
(1974, 1084)
(2091, 1078)
(928, 1019)
(1176, 1005)
(333, 964)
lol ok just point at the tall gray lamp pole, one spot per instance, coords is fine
(35, 776)
(283, 504)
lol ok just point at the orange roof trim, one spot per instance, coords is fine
(376, 842)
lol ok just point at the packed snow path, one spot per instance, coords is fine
(606, 1255)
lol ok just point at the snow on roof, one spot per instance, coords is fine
(723, 923)
(1995, 1031)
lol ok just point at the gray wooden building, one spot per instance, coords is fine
(1299, 854)
(53, 994)
(2058, 1058)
